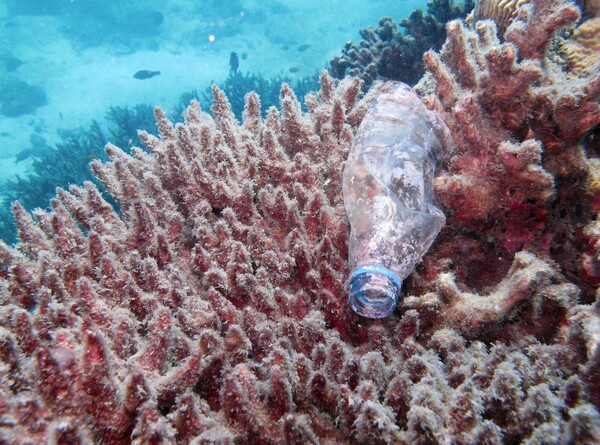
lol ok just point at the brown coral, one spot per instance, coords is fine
(582, 49)
(503, 12)
(537, 23)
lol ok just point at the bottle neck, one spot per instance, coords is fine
(374, 291)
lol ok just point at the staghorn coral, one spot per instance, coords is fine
(236, 85)
(67, 163)
(210, 307)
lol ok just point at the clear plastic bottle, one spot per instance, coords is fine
(388, 195)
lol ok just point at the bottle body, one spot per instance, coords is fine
(388, 196)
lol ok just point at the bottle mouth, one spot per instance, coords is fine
(374, 291)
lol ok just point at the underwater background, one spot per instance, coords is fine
(68, 84)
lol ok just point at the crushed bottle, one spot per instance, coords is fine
(388, 196)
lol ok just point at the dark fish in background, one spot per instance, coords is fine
(234, 62)
(24, 154)
(303, 48)
(146, 74)
(38, 148)
(11, 63)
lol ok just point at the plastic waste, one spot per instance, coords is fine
(388, 196)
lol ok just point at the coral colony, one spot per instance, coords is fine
(210, 305)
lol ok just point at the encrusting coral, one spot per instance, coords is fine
(502, 12)
(582, 49)
(209, 307)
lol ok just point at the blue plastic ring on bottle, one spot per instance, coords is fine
(379, 269)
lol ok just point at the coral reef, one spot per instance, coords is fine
(210, 307)
(126, 122)
(388, 53)
(68, 162)
(502, 13)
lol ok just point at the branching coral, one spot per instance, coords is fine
(518, 170)
(236, 85)
(219, 224)
(210, 308)
(537, 23)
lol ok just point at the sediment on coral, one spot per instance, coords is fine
(210, 308)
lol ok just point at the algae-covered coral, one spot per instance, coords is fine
(211, 307)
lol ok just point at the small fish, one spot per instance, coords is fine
(294, 69)
(146, 74)
(303, 48)
(234, 62)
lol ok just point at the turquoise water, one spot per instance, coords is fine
(68, 68)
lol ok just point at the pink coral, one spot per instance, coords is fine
(208, 306)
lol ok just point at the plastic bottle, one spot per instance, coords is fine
(388, 195)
